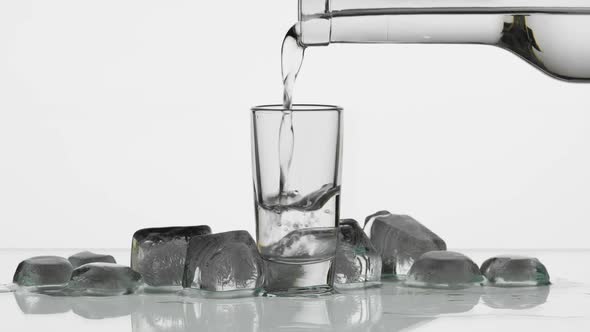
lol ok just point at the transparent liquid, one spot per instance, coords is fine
(555, 40)
(299, 229)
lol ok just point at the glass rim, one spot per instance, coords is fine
(296, 108)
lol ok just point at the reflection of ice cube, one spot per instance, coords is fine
(443, 269)
(407, 301)
(234, 315)
(515, 298)
(356, 310)
(400, 240)
(159, 253)
(86, 257)
(169, 313)
(223, 262)
(161, 313)
(104, 279)
(104, 307)
(43, 271)
(40, 304)
(305, 245)
(356, 260)
(515, 271)
(410, 308)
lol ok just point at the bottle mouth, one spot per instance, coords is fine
(297, 108)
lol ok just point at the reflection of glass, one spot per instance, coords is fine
(298, 314)
(296, 164)
(349, 311)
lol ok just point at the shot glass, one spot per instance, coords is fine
(296, 158)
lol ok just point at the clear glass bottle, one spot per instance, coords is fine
(552, 35)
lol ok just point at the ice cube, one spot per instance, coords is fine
(444, 269)
(515, 271)
(41, 304)
(91, 307)
(312, 244)
(103, 279)
(357, 261)
(400, 240)
(159, 253)
(86, 257)
(223, 262)
(43, 271)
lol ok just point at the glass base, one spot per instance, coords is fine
(307, 280)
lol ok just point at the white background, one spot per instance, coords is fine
(122, 114)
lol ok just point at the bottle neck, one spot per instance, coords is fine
(405, 28)
(418, 28)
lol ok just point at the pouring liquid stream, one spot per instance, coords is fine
(291, 59)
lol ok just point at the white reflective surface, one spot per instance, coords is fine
(564, 306)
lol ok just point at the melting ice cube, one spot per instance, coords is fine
(444, 269)
(103, 279)
(400, 240)
(159, 253)
(515, 271)
(223, 262)
(86, 257)
(43, 271)
(357, 261)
